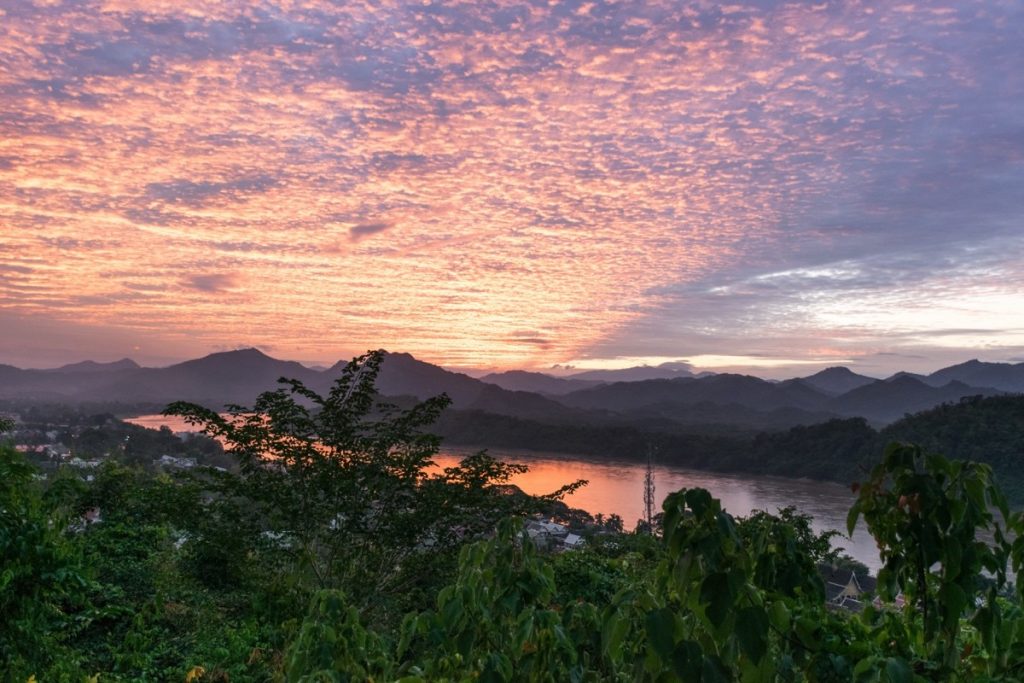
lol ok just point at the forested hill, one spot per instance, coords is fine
(651, 394)
(989, 430)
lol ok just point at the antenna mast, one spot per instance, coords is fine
(649, 491)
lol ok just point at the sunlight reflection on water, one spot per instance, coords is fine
(617, 488)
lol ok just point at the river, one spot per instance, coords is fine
(617, 488)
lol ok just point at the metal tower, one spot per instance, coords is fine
(649, 491)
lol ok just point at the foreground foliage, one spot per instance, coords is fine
(727, 600)
(340, 491)
(336, 552)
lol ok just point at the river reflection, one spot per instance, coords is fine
(617, 488)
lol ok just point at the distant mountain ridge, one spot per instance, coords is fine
(684, 399)
(1002, 376)
(837, 380)
(888, 400)
(744, 390)
(543, 383)
(638, 373)
(93, 366)
(521, 380)
(238, 377)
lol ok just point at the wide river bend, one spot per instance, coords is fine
(616, 487)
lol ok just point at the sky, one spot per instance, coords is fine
(762, 186)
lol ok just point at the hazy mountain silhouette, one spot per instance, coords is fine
(913, 375)
(888, 400)
(707, 414)
(403, 375)
(537, 382)
(214, 380)
(229, 377)
(880, 401)
(239, 376)
(837, 380)
(93, 366)
(743, 390)
(1003, 376)
(55, 384)
(525, 404)
(636, 374)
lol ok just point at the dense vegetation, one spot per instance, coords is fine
(92, 431)
(334, 552)
(988, 430)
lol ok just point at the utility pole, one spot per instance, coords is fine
(649, 491)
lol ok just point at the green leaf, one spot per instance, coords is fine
(716, 594)
(660, 625)
(851, 518)
(779, 616)
(464, 642)
(954, 601)
(699, 500)
(673, 513)
(612, 634)
(714, 671)
(752, 632)
(687, 660)
(898, 671)
(865, 665)
(806, 630)
(524, 630)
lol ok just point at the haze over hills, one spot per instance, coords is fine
(542, 383)
(521, 380)
(93, 366)
(885, 401)
(837, 380)
(639, 373)
(1007, 377)
(744, 390)
(685, 399)
(1003, 376)
(799, 427)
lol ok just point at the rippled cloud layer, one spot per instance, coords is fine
(498, 184)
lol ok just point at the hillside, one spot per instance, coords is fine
(93, 366)
(538, 382)
(214, 380)
(1005, 376)
(887, 400)
(989, 430)
(743, 390)
(707, 403)
(836, 381)
(639, 373)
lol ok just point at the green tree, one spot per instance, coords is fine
(41, 579)
(930, 517)
(340, 491)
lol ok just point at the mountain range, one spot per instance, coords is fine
(675, 396)
(519, 380)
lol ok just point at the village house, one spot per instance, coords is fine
(844, 589)
(175, 463)
(550, 535)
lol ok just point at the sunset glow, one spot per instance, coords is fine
(496, 185)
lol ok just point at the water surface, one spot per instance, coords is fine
(616, 487)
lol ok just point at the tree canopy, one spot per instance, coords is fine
(335, 549)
